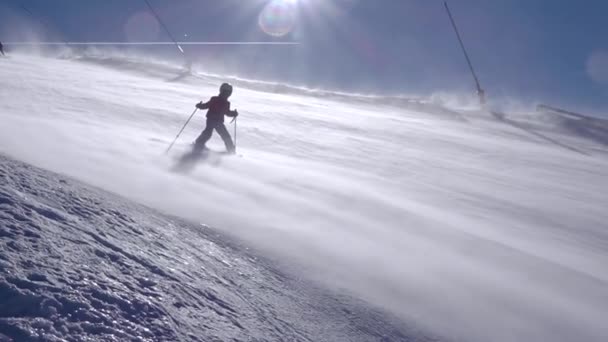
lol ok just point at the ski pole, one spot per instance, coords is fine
(234, 120)
(180, 132)
(235, 134)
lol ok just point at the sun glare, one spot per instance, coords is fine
(278, 17)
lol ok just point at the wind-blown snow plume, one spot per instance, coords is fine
(482, 226)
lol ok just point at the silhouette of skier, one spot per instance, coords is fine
(217, 107)
(2, 49)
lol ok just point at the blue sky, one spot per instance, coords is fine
(552, 51)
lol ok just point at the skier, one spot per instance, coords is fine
(2, 49)
(217, 106)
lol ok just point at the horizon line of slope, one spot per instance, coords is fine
(445, 104)
(437, 101)
(174, 72)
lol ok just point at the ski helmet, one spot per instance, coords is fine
(226, 88)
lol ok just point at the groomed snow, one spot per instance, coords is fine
(481, 226)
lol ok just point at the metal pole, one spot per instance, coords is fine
(164, 27)
(180, 132)
(480, 91)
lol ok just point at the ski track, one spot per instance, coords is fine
(472, 225)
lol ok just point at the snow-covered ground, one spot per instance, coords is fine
(80, 264)
(471, 225)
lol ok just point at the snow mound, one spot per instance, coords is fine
(78, 264)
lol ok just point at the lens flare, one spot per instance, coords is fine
(278, 18)
(597, 67)
(141, 26)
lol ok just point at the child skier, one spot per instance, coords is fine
(217, 106)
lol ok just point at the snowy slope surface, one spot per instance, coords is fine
(480, 226)
(80, 264)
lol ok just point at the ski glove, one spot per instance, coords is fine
(200, 105)
(234, 113)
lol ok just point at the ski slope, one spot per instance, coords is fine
(465, 224)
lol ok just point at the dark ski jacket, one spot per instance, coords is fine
(217, 107)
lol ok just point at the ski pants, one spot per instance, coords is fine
(220, 128)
